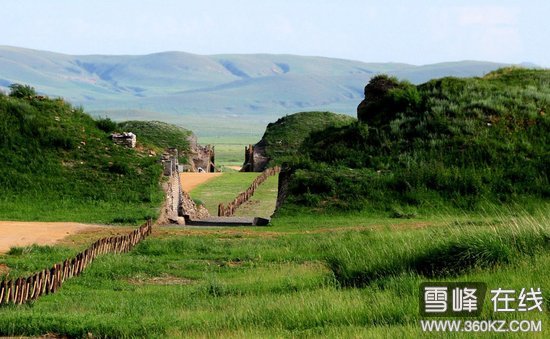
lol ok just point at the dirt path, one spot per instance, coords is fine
(192, 180)
(236, 168)
(17, 233)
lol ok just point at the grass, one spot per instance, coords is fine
(280, 281)
(158, 134)
(284, 137)
(454, 142)
(314, 272)
(229, 149)
(226, 187)
(262, 203)
(57, 163)
(18, 207)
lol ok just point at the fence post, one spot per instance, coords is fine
(21, 290)
(243, 197)
(3, 288)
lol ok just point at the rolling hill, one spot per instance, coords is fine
(246, 91)
(57, 163)
(457, 143)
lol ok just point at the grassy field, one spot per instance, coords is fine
(229, 149)
(225, 188)
(262, 203)
(357, 280)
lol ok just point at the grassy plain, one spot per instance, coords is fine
(360, 279)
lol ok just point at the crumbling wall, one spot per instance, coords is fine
(255, 159)
(204, 159)
(282, 192)
(190, 210)
(127, 139)
(178, 205)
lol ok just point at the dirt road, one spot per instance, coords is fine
(17, 233)
(192, 180)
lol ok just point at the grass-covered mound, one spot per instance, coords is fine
(283, 138)
(159, 135)
(58, 163)
(448, 142)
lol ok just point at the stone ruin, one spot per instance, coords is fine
(179, 206)
(255, 159)
(127, 139)
(203, 159)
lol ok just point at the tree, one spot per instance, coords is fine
(21, 91)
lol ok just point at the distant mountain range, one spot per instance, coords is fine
(241, 92)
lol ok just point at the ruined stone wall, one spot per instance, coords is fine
(190, 209)
(284, 179)
(124, 139)
(172, 189)
(204, 159)
(255, 159)
(178, 204)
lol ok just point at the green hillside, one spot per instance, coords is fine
(58, 163)
(158, 134)
(458, 143)
(283, 138)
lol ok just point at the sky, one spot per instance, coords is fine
(416, 32)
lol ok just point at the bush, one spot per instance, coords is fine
(21, 91)
(106, 125)
(385, 97)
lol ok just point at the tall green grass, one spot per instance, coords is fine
(57, 163)
(250, 283)
(441, 252)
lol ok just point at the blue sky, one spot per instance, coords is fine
(417, 32)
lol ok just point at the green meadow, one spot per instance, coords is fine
(358, 279)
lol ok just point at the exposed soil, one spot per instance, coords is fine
(87, 236)
(192, 180)
(17, 233)
(162, 280)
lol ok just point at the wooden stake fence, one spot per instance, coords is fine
(229, 210)
(48, 281)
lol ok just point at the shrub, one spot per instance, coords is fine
(385, 97)
(21, 91)
(106, 125)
